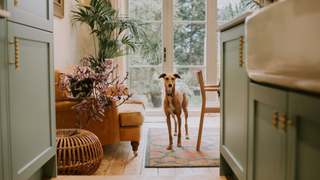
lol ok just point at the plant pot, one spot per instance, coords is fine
(156, 101)
(196, 92)
(81, 83)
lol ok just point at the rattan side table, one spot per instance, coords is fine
(78, 154)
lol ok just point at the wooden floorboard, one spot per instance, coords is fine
(145, 177)
(184, 171)
(214, 170)
(108, 153)
(201, 171)
(167, 171)
(119, 161)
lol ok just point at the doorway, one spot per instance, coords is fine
(180, 38)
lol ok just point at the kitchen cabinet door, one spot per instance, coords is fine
(234, 102)
(267, 145)
(303, 137)
(31, 100)
(34, 13)
(2, 95)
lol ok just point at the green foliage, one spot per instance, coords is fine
(146, 10)
(108, 29)
(155, 88)
(189, 38)
(230, 11)
(191, 79)
(150, 46)
(255, 4)
(189, 41)
(148, 51)
(182, 85)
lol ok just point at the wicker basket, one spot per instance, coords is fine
(78, 154)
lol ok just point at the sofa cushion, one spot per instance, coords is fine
(131, 115)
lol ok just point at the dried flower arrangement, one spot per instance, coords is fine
(91, 88)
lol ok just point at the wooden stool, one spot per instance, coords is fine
(78, 154)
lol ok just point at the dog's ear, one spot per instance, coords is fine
(162, 75)
(177, 76)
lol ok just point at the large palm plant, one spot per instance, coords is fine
(108, 28)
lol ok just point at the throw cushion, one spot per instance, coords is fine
(131, 114)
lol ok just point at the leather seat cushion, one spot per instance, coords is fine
(131, 115)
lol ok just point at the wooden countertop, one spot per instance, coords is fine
(4, 14)
(233, 22)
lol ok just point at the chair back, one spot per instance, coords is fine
(201, 83)
(205, 109)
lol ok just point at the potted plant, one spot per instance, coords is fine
(180, 84)
(91, 89)
(192, 82)
(155, 93)
(109, 31)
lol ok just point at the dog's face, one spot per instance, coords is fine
(169, 81)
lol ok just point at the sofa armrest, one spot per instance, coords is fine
(108, 130)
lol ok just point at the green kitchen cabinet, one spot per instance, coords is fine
(303, 136)
(27, 102)
(266, 147)
(284, 132)
(2, 90)
(34, 13)
(234, 102)
(32, 122)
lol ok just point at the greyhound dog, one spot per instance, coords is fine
(175, 100)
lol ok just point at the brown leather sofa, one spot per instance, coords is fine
(119, 124)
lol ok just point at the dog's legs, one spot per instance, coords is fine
(175, 124)
(179, 132)
(185, 110)
(186, 123)
(169, 130)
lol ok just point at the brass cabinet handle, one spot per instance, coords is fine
(16, 53)
(284, 123)
(240, 51)
(15, 2)
(275, 120)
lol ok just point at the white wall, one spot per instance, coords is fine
(71, 43)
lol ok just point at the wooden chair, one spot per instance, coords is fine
(204, 108)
